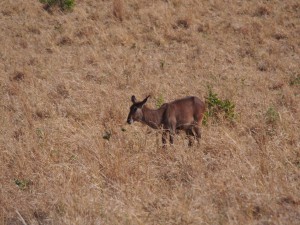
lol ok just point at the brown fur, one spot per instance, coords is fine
(182, 114)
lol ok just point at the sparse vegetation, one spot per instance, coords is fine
(118, 9)
(23, 183)
(217, 108)
(63, 4)
(67, 155)
(107, 135)
(39, 133)
(295, 81)
(272, 116)
(159, 101)
(162, 64)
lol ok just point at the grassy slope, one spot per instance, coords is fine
(66, 79)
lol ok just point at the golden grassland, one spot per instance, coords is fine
(66, 78)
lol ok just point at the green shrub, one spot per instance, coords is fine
(69, 4)
(217, 107)
(63, 4)
(159, 101)
(272, 116)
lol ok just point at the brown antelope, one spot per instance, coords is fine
(182, 114)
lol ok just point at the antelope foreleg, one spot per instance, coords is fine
(164, 138)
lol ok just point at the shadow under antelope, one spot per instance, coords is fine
(182, 114)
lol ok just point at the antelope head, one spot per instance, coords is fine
(135, 112)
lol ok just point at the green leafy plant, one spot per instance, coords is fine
(63, 4)
(159, 101)
(216, 107)
(69, 4)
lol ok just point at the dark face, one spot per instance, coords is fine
(135, 112)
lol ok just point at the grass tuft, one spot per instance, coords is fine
(272, 115)
(23, 184)
(295, 81)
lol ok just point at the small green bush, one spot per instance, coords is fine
(216, 107)
(159, 101)
(63, 4)
(272, 116)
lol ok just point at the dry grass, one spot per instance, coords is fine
(118, 9)
(66, 81)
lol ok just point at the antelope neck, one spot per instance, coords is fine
(152, 117)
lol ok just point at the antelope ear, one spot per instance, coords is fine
(133, 99)
(145, 100)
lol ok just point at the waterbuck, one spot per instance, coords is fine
(182, 114)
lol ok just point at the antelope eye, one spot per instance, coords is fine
(135, 108)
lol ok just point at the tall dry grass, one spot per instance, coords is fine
(118, 9)
(67, 156)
